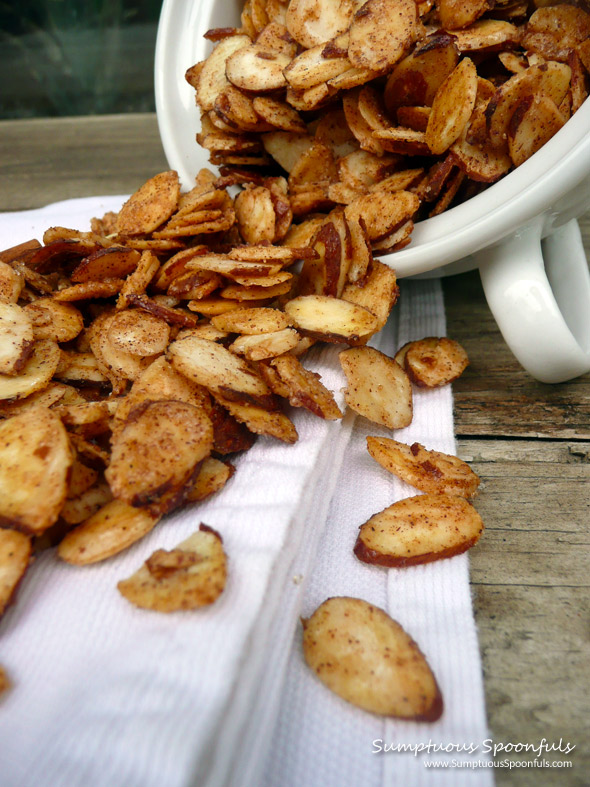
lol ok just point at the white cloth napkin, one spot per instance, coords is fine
(108, 694)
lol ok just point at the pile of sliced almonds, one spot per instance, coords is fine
(391, 110)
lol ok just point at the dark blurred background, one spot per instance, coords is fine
(76, 57)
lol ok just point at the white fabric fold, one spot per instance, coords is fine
(108, 694)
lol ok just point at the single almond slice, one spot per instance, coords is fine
(150, 206)
(304, 388)
(429, 471)
(366, 657)
(191, 575)
(211, 79)
(434, 361)
(15, 554)
(331, 319)
(313, 22)
(418, 530)
(113, 528)
(260, 346)
(38, 370)
(452, 107)
(257, 70)
(258, 420)
(51, 319)
(16, 338)
(377, 387)
(35, 462)
(382, 32)
(213, 476)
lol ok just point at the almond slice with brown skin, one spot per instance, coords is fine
(428, 471)
(377, 387)
(452, 107)
(382, 32)
(434, 361)
(419, 529)
(366, 657)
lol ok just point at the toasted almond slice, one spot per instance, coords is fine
(191, 575)
(160, 382)
(76, 510)
(16, 338)
(143, 471)
(138, 332)
(255, 69)
(79, 369)
(429, 471)
(552, 80)
(383, 212)
(237, 110)
(286, 148)
(455, 14)
(302, 234)
(160, 307)
(332, 130)
(305, 388)
(15, 554)
(315, 165)
(434, 361)
(213, 476)
(377, 387)
(353, 77)
(554, 31)
(415, 79)
(482, 163)
(51, 319)
(194, 285)
(46, 397)
(255, 215)
(279, 114)
(390, 27)
(272, 423)
(115, 363)
(220, 263)
(487, 34)
(36, 373)
(81, 479)
(403, 140)
(89, 290)
(419, 529)
(261, 295)
(365, 657)
(11, 283)
(94, 416)
(150, 206)
(22, 251)
(221, 371)
(378, 292)
(331, 319)
(252, 321)
(322, 274)
(534, 121)
(452, 107)
(35, 460)
(363, 132)
(211, 78)
(213, 306)
(113, 528)
(415, 118)
(311, 68)
(264, 285)
(397, 239)
(399, 181)
(112, 263)
(274, 36)
(313, 22)
(258, 347)
(363, 169)
(137, 282)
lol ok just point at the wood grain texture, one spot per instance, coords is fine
(529, 442)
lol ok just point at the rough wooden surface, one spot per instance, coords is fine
(529, 442)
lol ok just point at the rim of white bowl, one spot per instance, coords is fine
(561, 164)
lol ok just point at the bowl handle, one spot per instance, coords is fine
(539, 293)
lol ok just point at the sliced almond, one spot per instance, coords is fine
(35, 374)
(213, 476)
(51, 319)
(191, 575)
(142, 470)
(377, 387)
(113, 528)
(429, 471)
(16, 338)
(377, 292)
(150, 206)
(211, 78)
(305, 388)
(434, 361)
(534, 121)
(218, 369)
(365, 657)
(331, 319)
(390, 27)
(418, 530)
(257, 347)
(313, 22)
(255, 69)
(252, 321)
(15, 554)
(272, 423)
(452, 107)
(35, 461)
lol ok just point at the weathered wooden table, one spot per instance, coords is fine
(529, 442)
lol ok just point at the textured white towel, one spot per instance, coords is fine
(108, 694)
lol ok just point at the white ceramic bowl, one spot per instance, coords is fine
(521, 232)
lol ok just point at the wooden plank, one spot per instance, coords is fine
(51, 159)
(530, 581)
(495, 397)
